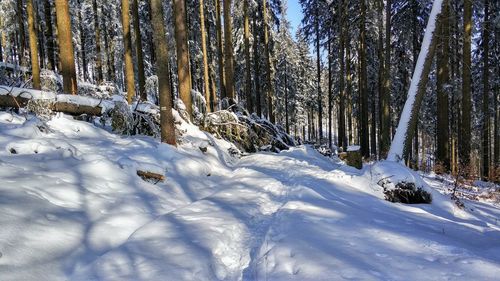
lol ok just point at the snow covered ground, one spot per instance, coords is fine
(72, 208)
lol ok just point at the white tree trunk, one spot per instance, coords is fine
(409, 117)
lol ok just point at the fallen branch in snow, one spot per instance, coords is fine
(145, 175)
(19, 98)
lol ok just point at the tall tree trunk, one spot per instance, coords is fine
(141, 76)
(206, 79)
(318, 69)
(213, 86)
(365, 149)
(21, 32)
(269, 88)
(256, 67)
(248, 75)
(415, 40)
(220, 49)
(49, 35)
(330, 90)
(496, 93)
(485, 171)
(373, 129)
(1, 42)
(109, 52)
(228, 52)
(150, 38)
(41, 37)
(380, 55)
(405, 133)
(386, 92)
(348, 86)
(342, 141)
(67, 55)
(287, 125)
(83, 42)
(165, 95)
(35, 67)
(98, 59)
(442, 126)
(127, 46)
(183, 70)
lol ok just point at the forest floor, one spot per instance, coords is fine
(73, 208)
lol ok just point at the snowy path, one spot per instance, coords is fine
(72, 208)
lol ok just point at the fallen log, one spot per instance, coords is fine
(73, 105)
(145, 175)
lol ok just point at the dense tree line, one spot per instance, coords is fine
(341, 80)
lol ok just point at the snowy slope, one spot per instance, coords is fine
(72, 208)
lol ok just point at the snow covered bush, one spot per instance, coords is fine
(41, 108)
(248, 133)
(400, 184)
(122, 120)
(152, 89)
(50, 81)
(407, 193)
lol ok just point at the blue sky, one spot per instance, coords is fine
(294, 14)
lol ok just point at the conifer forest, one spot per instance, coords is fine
(249, 139)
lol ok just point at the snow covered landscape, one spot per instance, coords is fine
(249, 140)
(73, 208)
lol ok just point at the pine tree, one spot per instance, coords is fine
(67, 56)
(442, 57)
(98, 59)
(206, 79)
(485, 171)
(165, 95)
(127, 46)
(33, 36)
(248, 77)
(141, 76)
(365, 150)
(228, 52)
(183, 69)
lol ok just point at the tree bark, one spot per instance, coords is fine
(256, 67)
(127, 46)
(287, 125)
(67, 56)
(206, 79)
(318, 69)
(109, 52)
(21, 32)
(183, 70)
(35, 67)
(248, 75)
(269, 87)
(160, 42)
(83, 42)
(220, 49)
(385, 137)
(49, 35)
(330, 90)
(365, 149)
(442, 126)
(342, 141)
(228, 51)
(485, 171)
(141, 76)
(98, 59)
(405, 131)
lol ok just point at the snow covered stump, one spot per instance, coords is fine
(353, 157)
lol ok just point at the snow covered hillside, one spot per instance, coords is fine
(73, 208)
